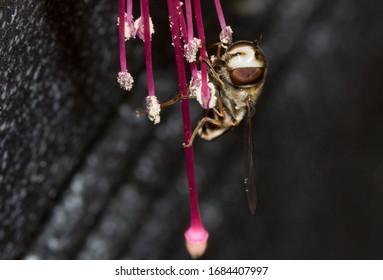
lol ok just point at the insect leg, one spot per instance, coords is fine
(220, 112)
(198, 127)
(171, 101)
(168, 103)
(219, 46)
(212, 71)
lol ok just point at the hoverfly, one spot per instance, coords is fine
(239, 74)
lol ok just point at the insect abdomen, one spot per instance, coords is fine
(210, 131)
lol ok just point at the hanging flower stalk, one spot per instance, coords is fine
(187, 47)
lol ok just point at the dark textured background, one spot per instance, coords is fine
(82, 178)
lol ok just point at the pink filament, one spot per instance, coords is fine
(183, 26)
(148, 46)
(129, 9)
(189, 19)
(201, 35)
(221, 17)
(121, 35)
(188, 29)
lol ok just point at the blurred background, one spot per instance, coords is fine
(82, 178)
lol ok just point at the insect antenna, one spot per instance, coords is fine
(257, 41)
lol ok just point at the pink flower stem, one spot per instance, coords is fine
(196, 223)
(194, 70)
(183, 26)
(201, 35)
(189, 19)
(148, 46)
(121, 35)
(221, 17)
(129, 10)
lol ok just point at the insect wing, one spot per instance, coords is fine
(249, 149)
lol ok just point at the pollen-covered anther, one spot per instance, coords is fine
(125, 80)
(153, 108)
(139, 25)
(226, 35)
(195, 91)
(129, 28)
(191, 49)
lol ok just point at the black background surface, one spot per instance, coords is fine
(82, 178)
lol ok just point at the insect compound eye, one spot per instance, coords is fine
(246, 75)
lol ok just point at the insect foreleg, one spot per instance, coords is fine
(220, 112)
(171, 101)
(219, 46)
(213, 72)
(168, 103)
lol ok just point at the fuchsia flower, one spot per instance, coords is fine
(189, 48)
